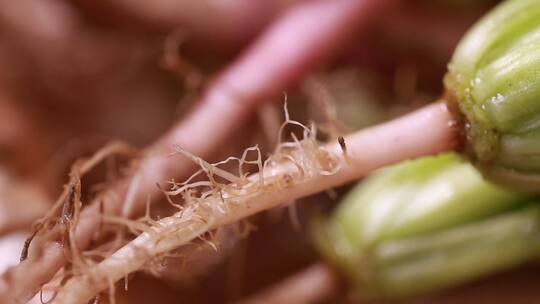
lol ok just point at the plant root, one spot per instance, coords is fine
(298, 168)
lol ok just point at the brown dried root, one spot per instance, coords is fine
(65, 213)
(298, 168)
(60, 224)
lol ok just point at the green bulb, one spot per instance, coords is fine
(494, 80)
(387, 229)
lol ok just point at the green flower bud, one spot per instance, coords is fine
(413, 207)
(453, 256)
(494, 79)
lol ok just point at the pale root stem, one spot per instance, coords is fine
(185, 265)
(311, 285)
(403, 138)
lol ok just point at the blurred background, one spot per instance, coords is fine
(75, 75)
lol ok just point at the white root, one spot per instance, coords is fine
(283, 182)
